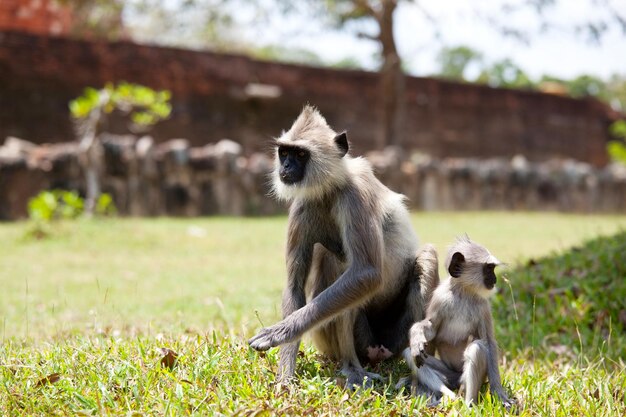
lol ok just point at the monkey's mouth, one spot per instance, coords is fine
(289, 179)
(490, 283)
(286, 179)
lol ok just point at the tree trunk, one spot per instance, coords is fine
(391, 79)
(92, 161)
(92, 154)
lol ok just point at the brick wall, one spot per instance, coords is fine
(35, 16)
(213, 99)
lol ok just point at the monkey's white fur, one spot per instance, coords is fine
(310, 131)
(459, 325)
(351, 251)
(473, 272)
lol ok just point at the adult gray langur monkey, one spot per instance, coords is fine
(353, 270)
(459, 327)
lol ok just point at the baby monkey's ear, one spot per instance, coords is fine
(342, 143)
(456, 265)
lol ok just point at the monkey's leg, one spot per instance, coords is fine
(336, 338)
(289, 352)
(363, 337)
(433, 374)
(292, 301)
(420, 278)
(450, 376)
(474, 369)
(324, 271)
(351, 368)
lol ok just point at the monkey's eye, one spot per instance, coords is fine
(301, 154)
(283, 152)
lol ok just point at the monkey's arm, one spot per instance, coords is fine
(362, 239)
(294, 298)
(486, 332)
(351, 288)
(422, 333)
(300, 246)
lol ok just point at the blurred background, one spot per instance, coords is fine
(123, 122)
(169, 107)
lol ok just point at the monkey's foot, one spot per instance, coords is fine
(404, 382)
(357, 377)
(433, 399)
(376, 354)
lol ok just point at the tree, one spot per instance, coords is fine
(97, 18)
(617, 92)
(454, 61)
(391, 73)
(505, 73)
(144, 106)
(219, 32)
(586, 86)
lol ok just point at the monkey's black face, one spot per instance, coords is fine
(293, 161)
(489, 275)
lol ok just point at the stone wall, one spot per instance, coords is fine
(175, 178)
(229, 96)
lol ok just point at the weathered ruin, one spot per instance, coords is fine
(174, 178)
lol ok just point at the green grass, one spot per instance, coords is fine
(95, 302)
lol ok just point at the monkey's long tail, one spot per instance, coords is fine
(427, 376)
(427, 268)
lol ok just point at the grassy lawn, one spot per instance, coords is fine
(94, 304)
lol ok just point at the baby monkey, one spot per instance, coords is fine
(459, 328)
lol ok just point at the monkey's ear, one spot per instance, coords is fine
(456, 265)
(342, 143)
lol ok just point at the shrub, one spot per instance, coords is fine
(617, 148)
(49, 206)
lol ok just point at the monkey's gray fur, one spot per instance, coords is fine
(353, 269)
(459, 327)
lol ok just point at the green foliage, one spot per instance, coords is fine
(587, 86)
(453, 62)
(574, 302)
(49, 206)
(618, 129)
(347, 63)
(101, 18)
(617, 151)
(505, 73)
(617, 148)
(105, 205)
(83, 105)
(284, 54)
(616, 91)
(56, 204)
(88, 321)
(144, 105)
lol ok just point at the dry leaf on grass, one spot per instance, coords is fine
(169, 359)
(50, 379)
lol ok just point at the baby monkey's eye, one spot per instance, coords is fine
(283, 153)
(301, 154)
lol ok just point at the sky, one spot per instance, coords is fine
(558, 52)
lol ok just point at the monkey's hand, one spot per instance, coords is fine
(419, 341)
(509, 403)
(278, 334)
